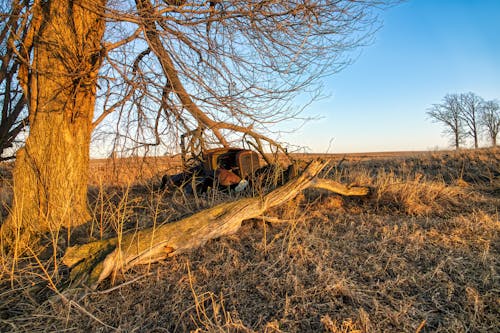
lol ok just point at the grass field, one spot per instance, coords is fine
(421, 254)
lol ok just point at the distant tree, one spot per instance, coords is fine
(470, 108)
(448, 112)
(490, 120)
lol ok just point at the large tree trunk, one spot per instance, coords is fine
(51, 172)
(93, 262)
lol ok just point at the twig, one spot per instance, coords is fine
(422, 324)
(122, 285)
(271, 219)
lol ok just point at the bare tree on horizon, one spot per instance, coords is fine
(490, 120)
(470, 108)
(448, 112)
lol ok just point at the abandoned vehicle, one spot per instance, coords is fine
(221, 168)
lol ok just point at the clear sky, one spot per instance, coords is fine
(424, 50)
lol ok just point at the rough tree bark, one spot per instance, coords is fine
(93, 262)
(51, 172)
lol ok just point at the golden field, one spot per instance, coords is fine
(420, 254)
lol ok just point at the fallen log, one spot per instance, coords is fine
(93, 262)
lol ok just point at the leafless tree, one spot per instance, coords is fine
(490, 119)
(12, 100)
(58, 73)
(223, 66)
(449, 112)
(470, 109)
(154, 68)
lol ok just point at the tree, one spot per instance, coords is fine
(59, 78)
(12, 100)
(470, 109)
(157, 67)
(490, 119)
(449, 114)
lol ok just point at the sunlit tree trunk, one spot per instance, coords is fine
(51, 172)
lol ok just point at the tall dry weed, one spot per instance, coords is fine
(419, 196)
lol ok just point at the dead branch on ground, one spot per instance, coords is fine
(93, 262)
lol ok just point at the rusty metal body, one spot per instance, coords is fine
(203, 167)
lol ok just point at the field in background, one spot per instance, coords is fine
(133, 170)
(421, 254)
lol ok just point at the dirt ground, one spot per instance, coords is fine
(420, 254)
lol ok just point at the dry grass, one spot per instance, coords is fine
(422, 254)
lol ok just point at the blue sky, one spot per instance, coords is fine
(424, 50)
